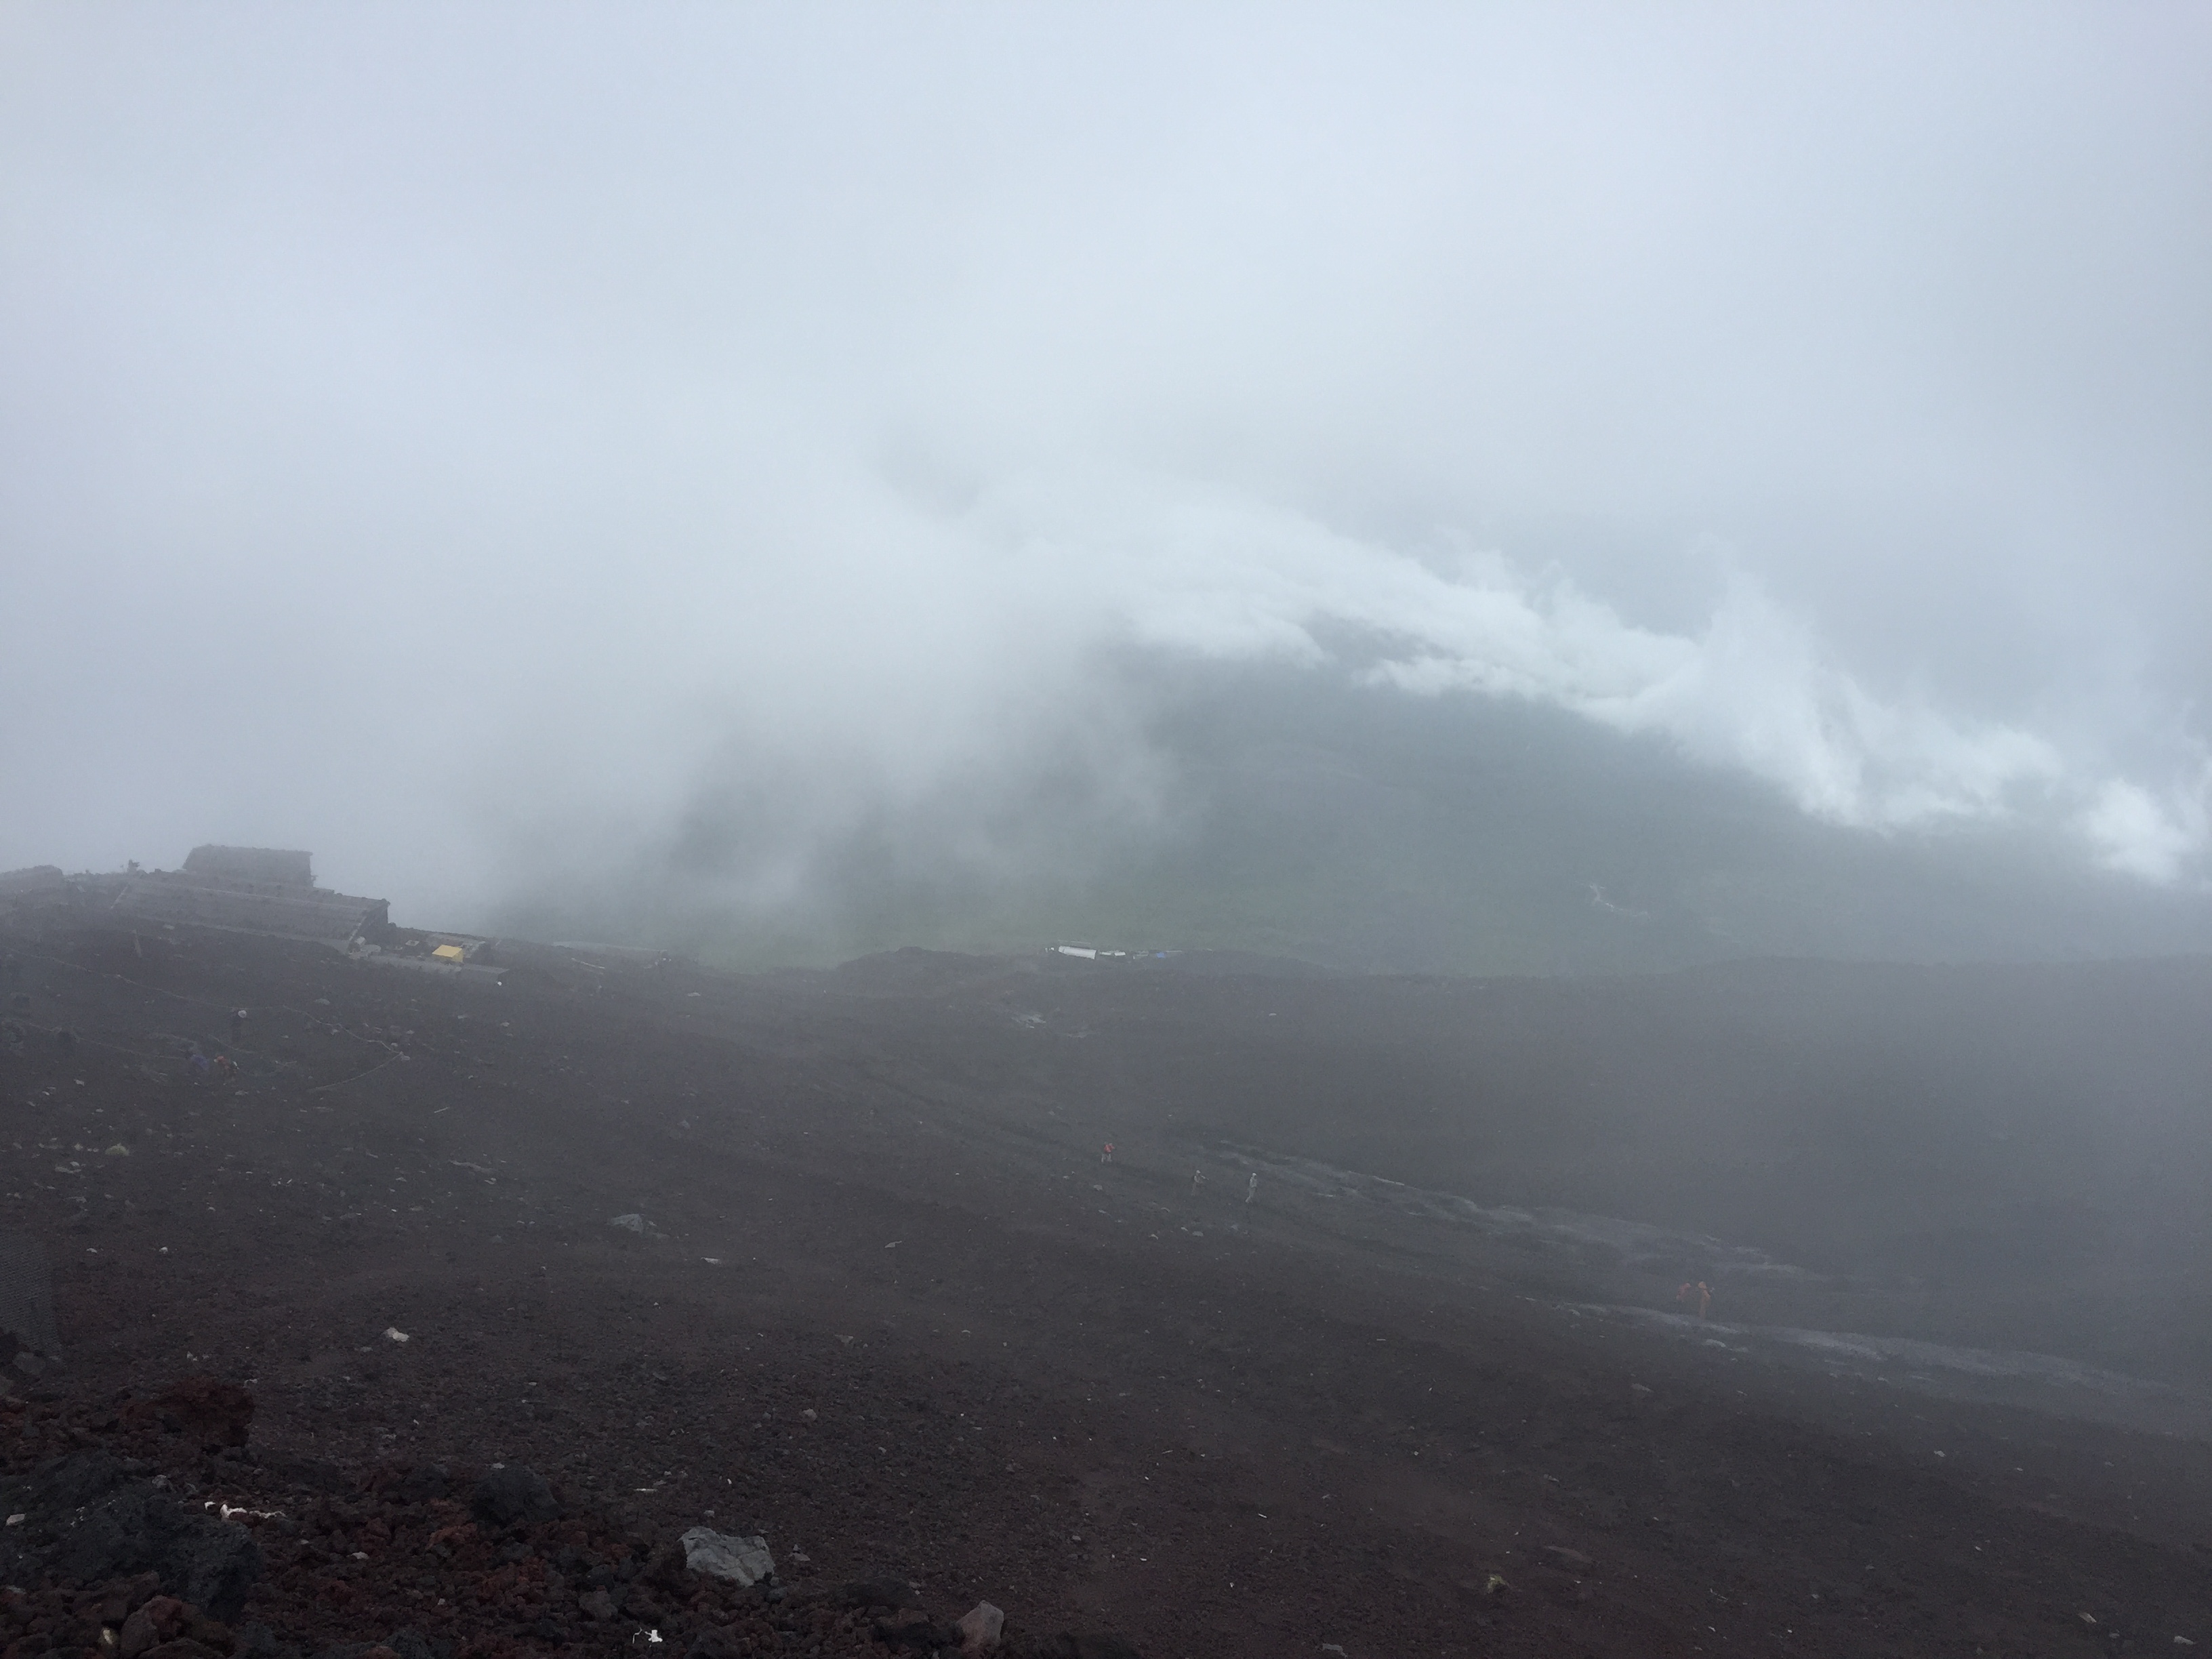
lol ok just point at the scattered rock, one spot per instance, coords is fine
(152, 1625)
(213, 1413)
(260, 1642)
(665, 1567)
(424, 1483)
(93, 1517)
(980, 1628)
(746, 1560)
(411, 1644)
(514, 1495)
(596, 1605)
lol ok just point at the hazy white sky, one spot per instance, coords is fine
(441, 436)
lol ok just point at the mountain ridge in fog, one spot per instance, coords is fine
(1304, 815)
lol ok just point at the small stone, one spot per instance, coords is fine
(979, 1627)
(150, 1626)
(209, 1411)
(513, 1495)
(744, 1560)
(208, 1632)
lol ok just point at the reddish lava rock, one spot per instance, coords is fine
(367, 1564)
(207, 1411)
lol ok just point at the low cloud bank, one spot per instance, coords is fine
(787, 461)
(988, 722)
(1751, 689)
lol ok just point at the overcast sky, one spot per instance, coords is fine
(443, 437)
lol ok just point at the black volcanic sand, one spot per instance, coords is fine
(891, 1311)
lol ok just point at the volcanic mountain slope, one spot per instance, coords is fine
(1324, 817)
(883, 1302)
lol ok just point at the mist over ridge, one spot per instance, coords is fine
(1316, 816)
(798, 484)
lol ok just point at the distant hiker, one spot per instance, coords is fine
(225, 1067)
(1107, 1155)
(1197, 1180)
(1252, 1188)
(197, 1066)
(1704, 1292)
(237, 1025)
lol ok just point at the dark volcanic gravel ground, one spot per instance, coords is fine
(891, 1311)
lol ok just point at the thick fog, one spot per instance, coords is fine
(687, 457)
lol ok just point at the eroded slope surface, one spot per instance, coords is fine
(885, 1304)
